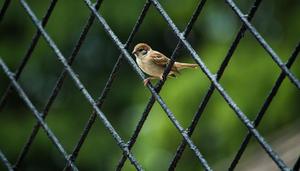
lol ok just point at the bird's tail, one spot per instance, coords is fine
(181, 66)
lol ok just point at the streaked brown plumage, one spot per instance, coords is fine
(154, 63)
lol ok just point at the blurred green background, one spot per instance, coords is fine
(248, 80)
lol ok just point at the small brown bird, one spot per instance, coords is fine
(154, 63)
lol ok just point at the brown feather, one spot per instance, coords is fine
(181, 66)
(162, 60)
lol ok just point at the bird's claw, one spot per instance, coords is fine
(146, 81)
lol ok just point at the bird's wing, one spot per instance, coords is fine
(159, 59)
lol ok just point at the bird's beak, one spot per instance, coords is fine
(133, 52)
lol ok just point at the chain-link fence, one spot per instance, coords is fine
(126, 147)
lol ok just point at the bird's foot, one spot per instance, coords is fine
(146, 81)
(161, 77)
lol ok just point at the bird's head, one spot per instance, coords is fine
(141, 50)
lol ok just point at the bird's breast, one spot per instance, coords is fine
(149, 67)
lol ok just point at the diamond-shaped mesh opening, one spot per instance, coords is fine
(42, 145)
(250, 73)
(180, 127)
(18, 119)
(275, 29)
(16, 31)
(46, 68)
(97, 140)
(68, 119)
(111, 10)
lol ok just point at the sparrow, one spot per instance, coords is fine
(154, 63)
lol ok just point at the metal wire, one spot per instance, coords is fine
(28, 103)
(264, 107)
(56, 88)
(297, 165)
(28, 53)
(264, 44)
(159, 85)
(211, 89)
(182, 42)
(5, 161)
(4, 8)
(80, 86)
(18, 72)
(221, 90)
(150, 87)
(108, 84)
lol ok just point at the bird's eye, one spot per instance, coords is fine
(140, 50)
